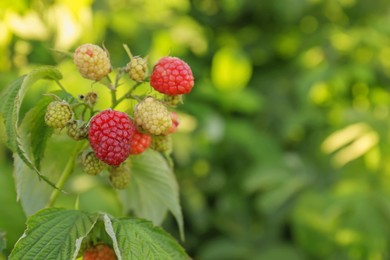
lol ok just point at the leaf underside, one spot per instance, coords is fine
(153, 190)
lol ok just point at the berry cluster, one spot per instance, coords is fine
(114, 135)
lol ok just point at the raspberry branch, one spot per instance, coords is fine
(66, 173)
(61, 86)
(128, 95)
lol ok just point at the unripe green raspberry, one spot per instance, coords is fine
(58, 114)
(120, 177)
(162, 143)
(152, 116)
(92, 165)
(92, 61)
(173, 100)
(77, 129)
(137, 68)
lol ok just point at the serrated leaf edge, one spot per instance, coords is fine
(79, 240)
(14, 141)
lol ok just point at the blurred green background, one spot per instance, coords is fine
(283, 149)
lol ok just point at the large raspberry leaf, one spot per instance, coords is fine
(153, 189)
(54, 234)
(139, 239)
(12, 99)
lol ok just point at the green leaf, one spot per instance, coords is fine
(10, 110)
(54, 234)
(139, 239)
(11, 101)
(40, 132)
(153, 189)
(13, 97)
(35, 194)
(32, 193)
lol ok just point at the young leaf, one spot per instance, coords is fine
(31, 191)
(13, 97)
(10, 111)
(153, 189)
(40, 132)
(139, 239)
(11, 101)
(54, 234)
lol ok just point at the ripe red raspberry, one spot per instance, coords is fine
(99, 252)
(152, 116)
(92, 61)
(92, 165)
(120, 177)
(137, 68)
(139, 141)
(58, 114)
(172, 76)
(110, 136)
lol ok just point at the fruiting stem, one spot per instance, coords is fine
(121, 71)
(61, 86)
(83, 113)
(113, 98)
(127, 49)
(65, 174)
(128, 94)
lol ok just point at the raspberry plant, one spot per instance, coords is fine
(128, 151)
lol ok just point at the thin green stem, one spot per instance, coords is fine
(65, 174)
(127, 49)
(112, 88)
(113, 98)
(121, 71)
(128, 94)
(61, 86)
(83, 112)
